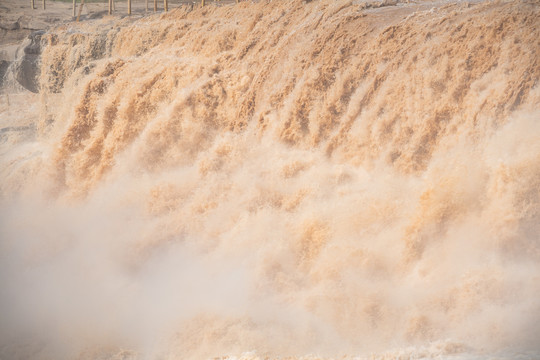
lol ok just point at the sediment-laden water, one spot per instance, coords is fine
(277, 179)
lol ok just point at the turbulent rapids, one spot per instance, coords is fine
(276, 179)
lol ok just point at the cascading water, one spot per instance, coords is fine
(277, 179)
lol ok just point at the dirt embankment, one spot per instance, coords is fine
(18, 20)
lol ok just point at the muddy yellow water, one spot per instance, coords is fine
(277, 179)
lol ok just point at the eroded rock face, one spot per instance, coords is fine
(26, 70)
(9, 25)
(4, 64)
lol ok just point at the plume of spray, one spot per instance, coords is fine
(277, 179)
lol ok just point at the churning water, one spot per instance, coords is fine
(277, 179)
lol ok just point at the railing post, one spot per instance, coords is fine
(80, 10)
(43, 4)
(110, 7)
(146, 5)
(166, 5)
(155, 5)
(74, 7)
(129, 7)
(202, 2)
(32, 3)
